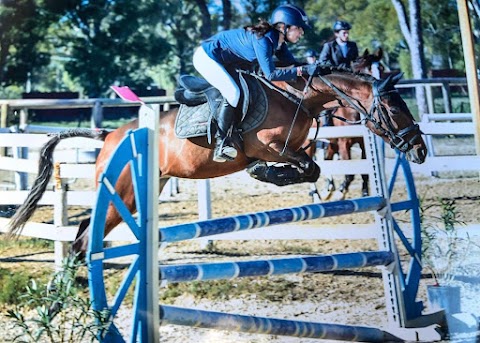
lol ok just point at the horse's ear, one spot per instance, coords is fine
(396, 78)
(390, 81)
(366, 53)
(382, 84)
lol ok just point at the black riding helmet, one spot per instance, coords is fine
(290, 15)
(341, 25)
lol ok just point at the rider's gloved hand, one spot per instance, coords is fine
(315, 69)
(310, 69)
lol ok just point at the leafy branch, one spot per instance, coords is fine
(443, 250)
(61, 313)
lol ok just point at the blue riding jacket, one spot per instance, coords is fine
(239, 47)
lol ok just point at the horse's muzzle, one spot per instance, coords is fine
(417, 154)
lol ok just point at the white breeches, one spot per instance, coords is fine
(217, 76)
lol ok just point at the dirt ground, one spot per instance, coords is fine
(355, 298)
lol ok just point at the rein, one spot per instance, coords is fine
(359, 108)
(289, 96)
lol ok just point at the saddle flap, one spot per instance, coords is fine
(195, 121)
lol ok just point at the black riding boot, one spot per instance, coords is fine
(224, 147)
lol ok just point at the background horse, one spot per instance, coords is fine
(388, 116)
(368, 64)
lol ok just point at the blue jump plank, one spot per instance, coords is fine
(304, 264)
(272, 326)
(262, 219)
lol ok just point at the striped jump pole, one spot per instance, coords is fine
(272, 326)
(304, 264)
(211, 227)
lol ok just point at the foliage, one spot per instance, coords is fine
(374, 23)
(87, 46)
(62, 314)
(22, 28)
(9, 285)
(442, 37)
(108, 42)
(443, 250)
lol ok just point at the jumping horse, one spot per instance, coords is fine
(278, 138)
(344, 116)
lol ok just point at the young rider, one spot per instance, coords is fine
(340, 51)
(217, 56)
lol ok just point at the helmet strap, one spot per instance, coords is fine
(285, 30)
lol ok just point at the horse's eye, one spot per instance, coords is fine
(394, 110)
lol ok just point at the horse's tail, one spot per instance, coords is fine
(45, 170)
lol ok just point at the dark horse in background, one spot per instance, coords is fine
(387, 116)
(344, 116)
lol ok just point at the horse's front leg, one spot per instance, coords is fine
(300, 168)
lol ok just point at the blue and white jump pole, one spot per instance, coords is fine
(139, 151)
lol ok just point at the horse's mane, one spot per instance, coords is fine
(347, 71)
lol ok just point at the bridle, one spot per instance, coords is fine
(384, 123)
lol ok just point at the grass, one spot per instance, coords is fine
(24, 244)
(14, 280)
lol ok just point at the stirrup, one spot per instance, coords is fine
(224, 152)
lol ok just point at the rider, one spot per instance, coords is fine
(220, 54)
(340, 51)
(311, 56)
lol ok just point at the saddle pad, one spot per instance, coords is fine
(195, 121)
(192, 121)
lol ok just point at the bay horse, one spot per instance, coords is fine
(386, 115)
(344, 116)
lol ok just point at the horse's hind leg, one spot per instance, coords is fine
(113, 218)
(80, 245)
(311, 150)
(365, 177)
(330, 187)
(365, 191)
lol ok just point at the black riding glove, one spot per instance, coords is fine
(315, 69)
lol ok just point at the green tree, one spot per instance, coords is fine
(442, 37)
(22, 28)
(108, 42)
(373, 22)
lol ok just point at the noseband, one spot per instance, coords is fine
(397, 139)
(383, 123)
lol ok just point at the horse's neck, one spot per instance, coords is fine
(348, 85)
(320, 93)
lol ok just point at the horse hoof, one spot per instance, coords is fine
(337, 195)
(325, 195)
